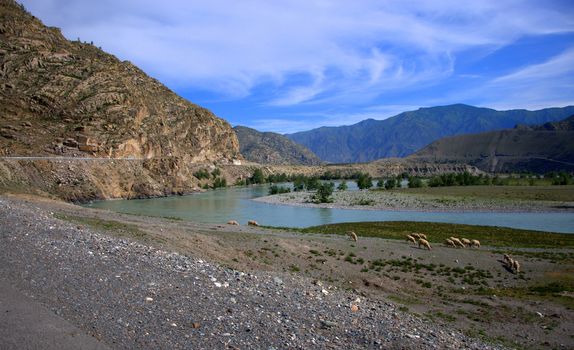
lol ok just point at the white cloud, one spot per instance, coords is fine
(354, 51)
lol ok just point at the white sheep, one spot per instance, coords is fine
(457, 241)
(415, 235)
(425, 243)
(475, 243)
(252, 223)
(423, 236)
(410, 238)
(465, 241)
(352, 235)
(233, 222)
(516, 266)
(449, 242)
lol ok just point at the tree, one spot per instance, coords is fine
(390, 183)
(258, 177)
(380, 183)
(364, 181)
(342, 186)
(298, 183)
(312, 183)
(324, 192)
(415, 182)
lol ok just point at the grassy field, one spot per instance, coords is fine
(438, 232)
(534, 193)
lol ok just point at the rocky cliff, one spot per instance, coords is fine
(60, 97)
(272, 148)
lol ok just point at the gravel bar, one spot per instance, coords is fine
(128, 295)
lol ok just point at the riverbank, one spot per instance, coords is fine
(435, 201)
(137, 282)
(128, 294)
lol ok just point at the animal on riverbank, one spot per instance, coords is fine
(423, 236)
(449, 242)
(415, 235)
(475, 243)
(352, 235)
(412, 239)
(424, 243)
(507, 258)
(457, 241)
(233, 222)
(516, 266)
(252, 223)
(465, 241)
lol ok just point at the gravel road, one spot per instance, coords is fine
(128, 295)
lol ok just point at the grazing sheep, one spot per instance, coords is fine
(465, 241)
(252, 223)
(410, 238)
(475, 243)
(415, 235)
(507, 259)
(233, 222)
(516, 266)
(457, 241)
(425, 243)
(449, 242)
(423, 236)
(352, 235)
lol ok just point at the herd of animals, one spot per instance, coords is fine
(421, 239)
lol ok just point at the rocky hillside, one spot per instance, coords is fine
(544, 148)
(59, 97)
(272, 148)
(408, 132)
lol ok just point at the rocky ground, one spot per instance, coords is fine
(132, 295)
(396, 200)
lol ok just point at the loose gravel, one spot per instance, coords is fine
(389, 200)
(129, 295)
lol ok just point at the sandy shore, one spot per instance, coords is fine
(397, 201)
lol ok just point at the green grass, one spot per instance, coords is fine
(438, 232)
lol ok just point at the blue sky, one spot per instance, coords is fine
(288, 66)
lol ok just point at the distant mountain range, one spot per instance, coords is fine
(405, 133)
(548, 147)
(272, 148)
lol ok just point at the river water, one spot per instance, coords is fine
(222, 205)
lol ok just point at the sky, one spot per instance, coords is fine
(294, 65)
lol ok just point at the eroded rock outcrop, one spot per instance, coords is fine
(69, 90)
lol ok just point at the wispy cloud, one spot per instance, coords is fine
(306, 63)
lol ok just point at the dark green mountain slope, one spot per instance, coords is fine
(544, 148)
(272, 148)
(408, 132)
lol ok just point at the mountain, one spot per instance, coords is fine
(548, 147)
(408, 132)
(272, 148)
(60, 97)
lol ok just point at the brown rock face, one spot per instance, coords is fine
(65, 90)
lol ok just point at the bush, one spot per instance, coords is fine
(380, 183)
(342, 186)
(258, 177)
(324, 192)
(216, 172)
(219, 182)
(312, 183)
(201, 174)
(364, 181)
(299, 183)
(274, 189)
(390, 184)
(415, 182)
